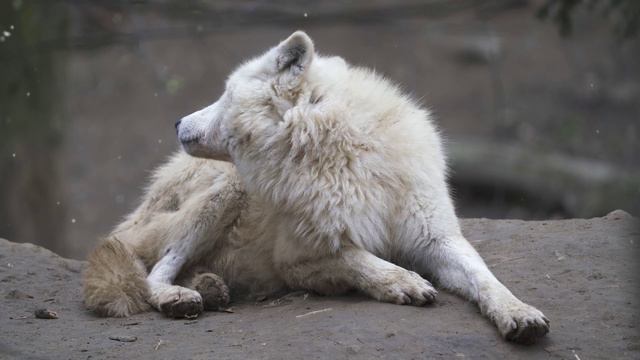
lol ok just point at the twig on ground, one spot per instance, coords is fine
(160, 342)
(575, 355)
(314, 312)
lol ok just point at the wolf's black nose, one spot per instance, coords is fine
(178, 124)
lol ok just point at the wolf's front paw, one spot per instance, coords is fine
(405, 287)
(177, 302)
(521, 323)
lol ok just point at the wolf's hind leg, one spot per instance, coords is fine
(202, 221)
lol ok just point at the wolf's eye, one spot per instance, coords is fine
(315, 97)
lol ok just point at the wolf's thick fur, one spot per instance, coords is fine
(338, 182)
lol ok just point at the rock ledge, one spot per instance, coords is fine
(582, 273)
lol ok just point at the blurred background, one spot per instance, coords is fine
(539, 100)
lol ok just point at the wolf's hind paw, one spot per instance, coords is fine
(214, 292)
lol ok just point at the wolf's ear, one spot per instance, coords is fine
(294, 54)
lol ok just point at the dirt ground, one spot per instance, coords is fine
(582, 273)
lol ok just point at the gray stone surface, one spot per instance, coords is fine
(582, 273)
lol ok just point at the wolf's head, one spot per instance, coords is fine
(256, 97)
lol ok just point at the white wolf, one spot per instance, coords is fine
(336, 182)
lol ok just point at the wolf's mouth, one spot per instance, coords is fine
(189, 141)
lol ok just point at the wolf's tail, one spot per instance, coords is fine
(115, 281)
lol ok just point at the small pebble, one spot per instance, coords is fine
(46, 314)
